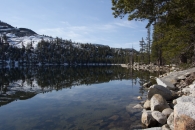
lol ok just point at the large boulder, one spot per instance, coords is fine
(189, 91)
(181, 77)
(158, 89)
(192, 86)
(170, 121)
(166, 127)
(165, 83)
(162, 119)
(158, 103)
(184, 113)
(147, 119)
(138, 106)
(147, 105)
(192, 94)
(167, 112)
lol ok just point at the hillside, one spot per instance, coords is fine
(24, 46)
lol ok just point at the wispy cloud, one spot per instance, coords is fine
(79, 33)
(129, 24)
(97, 33)
(65, 23)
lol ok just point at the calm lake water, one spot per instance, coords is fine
(70, 98)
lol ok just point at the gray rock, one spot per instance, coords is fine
(158, 103)
(154, 128)
(166, 127)
(181, 77)
(114, 117)
(166, 84)
(167, 112)
(186, 90)
(192, 94)
(147, 119)
(184, 113)
(174, 102)
(170, 121)
(152, 77)
(185, 99)
(147, 105)
(192, 86)
(187, 74)
(138, 106)
(147, 84)
(162, 119)
(158, 89)
(139, 97)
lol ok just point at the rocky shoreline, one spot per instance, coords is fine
(170, 103)
(152, 67)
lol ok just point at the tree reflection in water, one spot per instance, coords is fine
(24, 83)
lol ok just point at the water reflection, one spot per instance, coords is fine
(95, 98)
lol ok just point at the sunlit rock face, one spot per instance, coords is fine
(184, 113)
(158, 103)
(159, 89)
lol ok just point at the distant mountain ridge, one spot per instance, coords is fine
(20, 32)
(26, 46)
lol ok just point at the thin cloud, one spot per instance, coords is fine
(97, 33)
(129, 24)
(65, 23)
(79, 33)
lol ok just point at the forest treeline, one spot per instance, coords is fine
(59, 51)
(173, 24)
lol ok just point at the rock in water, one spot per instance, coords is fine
(147, 84)
(114, 117)
(158, 89)
(184, 113)
(147, 105)
(147, 119)
(138, 106)
(162, 119)
(139, 97)
(158, 103)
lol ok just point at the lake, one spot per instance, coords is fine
(71, 98)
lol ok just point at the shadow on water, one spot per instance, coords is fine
(74, 98)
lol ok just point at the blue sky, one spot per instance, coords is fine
(85, 21)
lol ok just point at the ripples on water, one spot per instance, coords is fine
(81, 98)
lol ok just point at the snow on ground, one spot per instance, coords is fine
(10, 35)
(35, 39)
(76, 45)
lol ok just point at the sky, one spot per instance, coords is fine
(83, 21)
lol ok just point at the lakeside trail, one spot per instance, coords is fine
(170, 103)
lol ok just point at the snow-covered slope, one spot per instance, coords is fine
(34, 39)
(18, 36)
